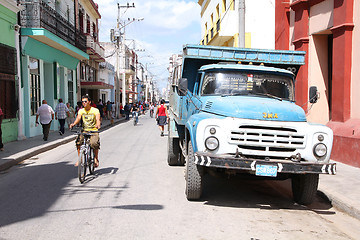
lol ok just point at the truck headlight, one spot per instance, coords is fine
(212, 143)
(320, 150)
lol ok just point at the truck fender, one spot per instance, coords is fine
(173, 128)
(191, 135)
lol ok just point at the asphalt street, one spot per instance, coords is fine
(134, 194)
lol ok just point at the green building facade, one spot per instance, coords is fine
(9, 74)
(49, 66)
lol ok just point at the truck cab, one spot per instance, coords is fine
(233, 111)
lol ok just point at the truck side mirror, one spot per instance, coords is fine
(313, 94)
(183, 86)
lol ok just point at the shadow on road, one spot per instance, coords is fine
(262, 194)
(147, 207)
(37, 189)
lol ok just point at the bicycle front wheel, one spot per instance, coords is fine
(82, 166)
(91, 161)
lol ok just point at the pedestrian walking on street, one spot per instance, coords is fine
(161, 116)
(71, 117)
(109, 110)
(100, 106)
(1, 118)
(61, 112)
(46, 114)
(127, 111)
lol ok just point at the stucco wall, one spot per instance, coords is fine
(260, 22)
(355, 84)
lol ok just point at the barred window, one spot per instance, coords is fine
(8, 96)
(35, 96)
(70, 87)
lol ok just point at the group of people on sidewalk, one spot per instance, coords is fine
(46, 114)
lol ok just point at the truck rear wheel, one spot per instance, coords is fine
(304, 187)
(193, 176)
(173, 151)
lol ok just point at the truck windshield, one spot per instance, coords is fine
(240, 83)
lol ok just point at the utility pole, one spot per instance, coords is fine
(241, 9)
(119, 37)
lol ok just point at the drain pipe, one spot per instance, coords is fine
(241, 9)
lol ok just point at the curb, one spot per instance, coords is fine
(340, 202)
(46, 147)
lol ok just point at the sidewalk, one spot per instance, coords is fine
(343, 189)
(17, 151)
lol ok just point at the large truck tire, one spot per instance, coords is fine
(304, 188)
(193, 176)
(174, 151)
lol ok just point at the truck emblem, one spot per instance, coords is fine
(270, 115)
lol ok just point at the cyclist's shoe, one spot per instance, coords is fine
(96, 162)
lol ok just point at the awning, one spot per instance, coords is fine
(129, 91)
(50, 39)
(95, 85)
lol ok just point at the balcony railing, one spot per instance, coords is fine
(218, 25)
(38, 14)
(94, 48)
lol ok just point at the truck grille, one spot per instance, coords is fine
(208, 105)
(271, 139)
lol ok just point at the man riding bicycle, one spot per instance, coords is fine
(90, 117)
(135, 111)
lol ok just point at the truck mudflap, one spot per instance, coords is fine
(281, 166)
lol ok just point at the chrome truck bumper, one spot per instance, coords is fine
(281, 166)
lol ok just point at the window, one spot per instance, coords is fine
(83, 71)
(241, 83)
(35, 96)
(70, 87)
(94, 32)
(8, 97)
(88, 24)
(81, 21)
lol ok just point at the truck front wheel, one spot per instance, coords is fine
(193, 176)
(304, 187)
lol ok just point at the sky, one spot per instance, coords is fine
(167, 26)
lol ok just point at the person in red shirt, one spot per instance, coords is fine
(161, 116)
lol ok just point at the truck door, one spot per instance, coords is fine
(191, 103)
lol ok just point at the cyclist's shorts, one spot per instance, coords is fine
(94, 140)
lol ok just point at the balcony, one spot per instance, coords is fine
(94, 49)
(38, 14)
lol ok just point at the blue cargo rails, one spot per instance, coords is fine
(233, 110)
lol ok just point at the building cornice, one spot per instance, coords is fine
(299, 4)
(92, 7)
(12, 5)
(343, 27)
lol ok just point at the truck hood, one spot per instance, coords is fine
(257, 108)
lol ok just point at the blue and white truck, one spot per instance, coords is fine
(233, 111)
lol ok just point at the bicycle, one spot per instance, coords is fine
(151, 113)
(136, 117)
(86, 158)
